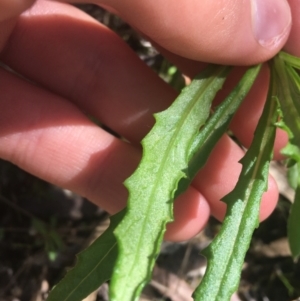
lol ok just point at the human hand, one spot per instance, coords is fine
(78, 67)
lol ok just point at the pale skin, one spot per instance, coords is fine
(78, 67)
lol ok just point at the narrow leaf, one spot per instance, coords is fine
(94, 266)
(153, 185)
(294, 225)
(289, 59)
(216, 126)
(288, 96)
(80, 281)
(288, 93)
(227, 251)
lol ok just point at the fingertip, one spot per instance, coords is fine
(220, 175)
(191, 213)
(269, 199)
(267, 206)
(281, 140)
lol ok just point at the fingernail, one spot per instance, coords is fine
(271, 20)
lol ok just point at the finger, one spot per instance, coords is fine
(163, 93)
(90, 69)
(226, 32)
(12, 8)
(293, 43)
(9, 10)
(215, 185)
(50, 138)
(190, 218)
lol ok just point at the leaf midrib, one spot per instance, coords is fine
(252, 180)
(97, 265)
(170, 144)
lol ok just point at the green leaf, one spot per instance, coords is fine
(289, 59)
(293, 176)
(288, 94)
(294, 225)
(72, 287)
(154, 183)
(94, 266)
(216, 126)
(227, 251)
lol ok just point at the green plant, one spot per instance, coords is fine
(174, 151)
(49, 237)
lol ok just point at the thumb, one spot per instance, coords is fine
(227, 32)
